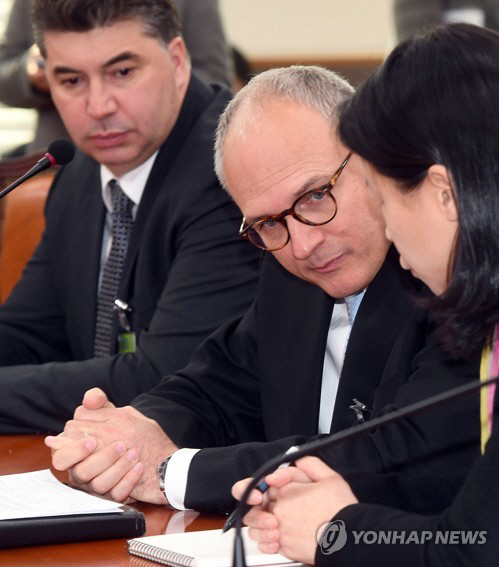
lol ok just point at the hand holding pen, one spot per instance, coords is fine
(238, 490)
(239, 487)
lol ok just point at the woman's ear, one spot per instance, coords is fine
(440, 181)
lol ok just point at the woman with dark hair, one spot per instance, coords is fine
(426, 126)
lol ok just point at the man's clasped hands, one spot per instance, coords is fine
(114, 452)
(111, 451)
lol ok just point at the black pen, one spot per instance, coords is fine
(262, 486)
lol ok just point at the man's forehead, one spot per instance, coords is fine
(280, 124)
(268, 149)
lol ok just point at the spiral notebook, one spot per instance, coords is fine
(209, 548)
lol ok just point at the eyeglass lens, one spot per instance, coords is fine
(314, 207)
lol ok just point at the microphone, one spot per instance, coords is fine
(59, 152)
(313, 447)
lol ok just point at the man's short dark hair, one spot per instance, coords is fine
(158, 16)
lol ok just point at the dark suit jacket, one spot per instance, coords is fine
(473, 514)
(186, 273)
(255, 383)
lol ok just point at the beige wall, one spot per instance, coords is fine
(324, 28)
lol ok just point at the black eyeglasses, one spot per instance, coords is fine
(314, 208)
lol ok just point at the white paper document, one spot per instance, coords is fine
(38, 494)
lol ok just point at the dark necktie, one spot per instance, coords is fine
(122, 222)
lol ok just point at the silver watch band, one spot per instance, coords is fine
(161, 472)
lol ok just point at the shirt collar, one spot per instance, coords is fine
(132, 183)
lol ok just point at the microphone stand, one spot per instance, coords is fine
(314, 446)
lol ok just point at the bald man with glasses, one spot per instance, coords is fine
(332, 338)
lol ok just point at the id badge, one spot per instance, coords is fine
(126, 342)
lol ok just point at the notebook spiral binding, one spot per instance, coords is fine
(164, 556)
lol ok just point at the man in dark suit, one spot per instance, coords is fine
(120, 78)
(22, 74)
(269, 380)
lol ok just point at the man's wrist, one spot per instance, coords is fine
(161, 473)
(175, 477)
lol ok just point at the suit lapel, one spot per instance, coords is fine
(306, 363)
(293, 347)
(90, 220)
(383, 311)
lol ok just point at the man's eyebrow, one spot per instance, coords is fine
(313, 183)
(125, 56)
(62, 70)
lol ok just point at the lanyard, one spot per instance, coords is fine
(489, 367)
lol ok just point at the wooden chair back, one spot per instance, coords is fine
(21, 218)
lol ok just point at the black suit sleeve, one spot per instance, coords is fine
(472, 514)
(214, 400)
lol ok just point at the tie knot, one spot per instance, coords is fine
(121, 203)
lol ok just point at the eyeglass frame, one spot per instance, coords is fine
(327, 189)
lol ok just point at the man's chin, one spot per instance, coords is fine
(337, 286)
(117, 159)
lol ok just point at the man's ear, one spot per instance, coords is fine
(441, 185)
(180, 58)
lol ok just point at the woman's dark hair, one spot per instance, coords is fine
(435, 100)
(158, 16)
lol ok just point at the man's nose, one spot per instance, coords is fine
(304, 239)
(101, 101)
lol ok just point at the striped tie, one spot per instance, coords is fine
(122, 222)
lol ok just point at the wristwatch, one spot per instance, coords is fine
(161, 471)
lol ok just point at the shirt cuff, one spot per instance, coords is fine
(175, 481)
